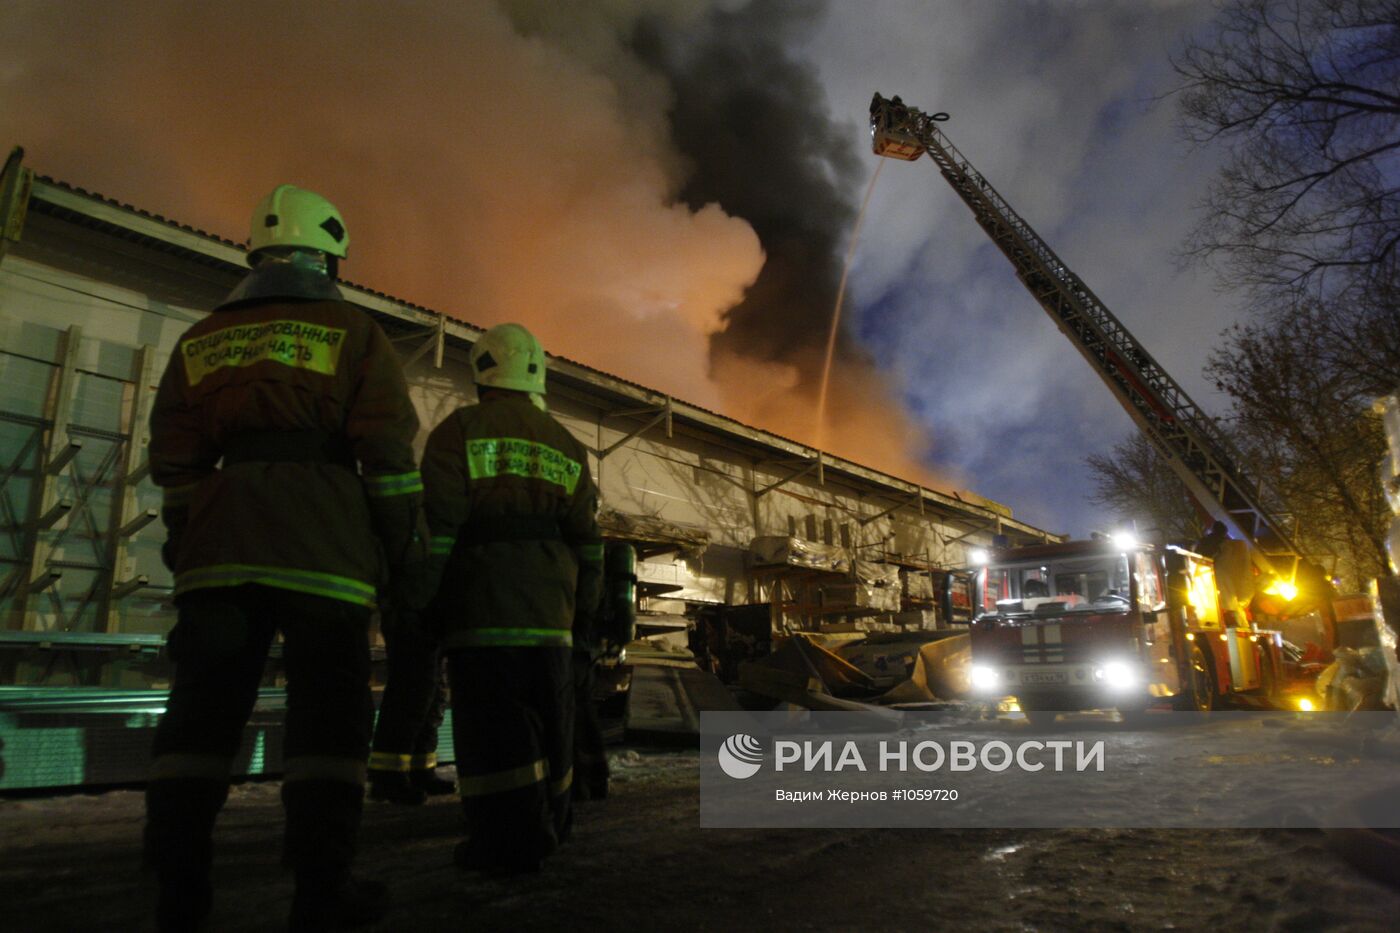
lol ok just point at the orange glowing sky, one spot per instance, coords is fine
(481, 172)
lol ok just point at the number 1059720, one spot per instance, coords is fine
(926, 793)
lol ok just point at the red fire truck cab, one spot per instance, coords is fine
(1113, 624)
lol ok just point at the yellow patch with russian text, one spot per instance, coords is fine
(298, 344)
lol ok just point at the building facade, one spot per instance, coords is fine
(94, 294)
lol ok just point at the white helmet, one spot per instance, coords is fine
(508, 357)
(292, 216)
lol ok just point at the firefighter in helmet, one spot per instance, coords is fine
(282, 436)
(511, 507)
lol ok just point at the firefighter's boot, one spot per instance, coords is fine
(395, 787)
(178, 844)
(323, 819)
(469, 855)
(590, 774)
(428, 782)
(495, 846)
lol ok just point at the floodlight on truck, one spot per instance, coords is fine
(984, 679)
(1116, 675)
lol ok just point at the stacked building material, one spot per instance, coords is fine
(767, 550)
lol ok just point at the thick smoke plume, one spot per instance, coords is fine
(652, 186)
(753, 123)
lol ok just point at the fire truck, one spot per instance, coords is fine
(1131, 642)
(1115, 623)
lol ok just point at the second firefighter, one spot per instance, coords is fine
(512, 510)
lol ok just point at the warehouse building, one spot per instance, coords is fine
(93, 295)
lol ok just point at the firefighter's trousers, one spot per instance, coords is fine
(220, 648)
(512, 725)
(590, 756)
(410, 712)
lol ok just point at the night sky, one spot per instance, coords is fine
(1054, 103)
(665, 190)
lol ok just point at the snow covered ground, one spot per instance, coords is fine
(640, 861)
(1223, 770)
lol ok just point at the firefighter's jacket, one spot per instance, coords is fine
(512, 512)
(261, 418)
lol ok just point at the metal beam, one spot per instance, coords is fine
(1198, 451)
(967, 534)
(918, 496)
(16, 182)
(125, 589)
(50, 518)
(813, 465)
(662, 413)
(123, 519)
(139, 522)
(437, 337)
(63, 457)
(44, 580)
(45, 504)
(24, 451)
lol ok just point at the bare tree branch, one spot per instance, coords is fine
(1306, 96)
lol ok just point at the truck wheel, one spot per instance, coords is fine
(1198, 693)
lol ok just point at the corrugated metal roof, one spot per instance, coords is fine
(48, 180)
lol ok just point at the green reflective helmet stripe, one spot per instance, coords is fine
(285, 578)
(490, 457)
(389, 761)
(516, 637)
(394, 484)
(441, 544)
(298, 344)
(495, 782)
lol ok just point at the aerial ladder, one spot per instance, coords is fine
(1198, 451)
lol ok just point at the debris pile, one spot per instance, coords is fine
(863, 674)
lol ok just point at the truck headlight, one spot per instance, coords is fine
(984, 679)
(1115, 675)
